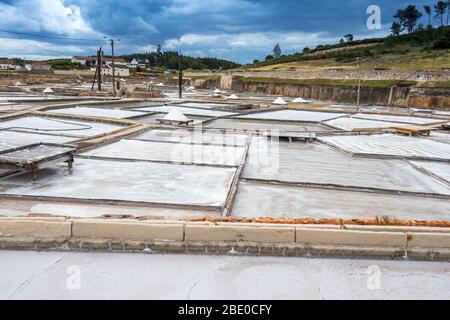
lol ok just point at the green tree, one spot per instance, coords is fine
(448, 10)
(159, 50)
(396, 28)
(349, 37)
(443, 41)
(412, 16)
(428, 11)
(407, 18)
(400, 17)
(158, 55)
(440, 9)
(169, 59)
(277, 51)
(269, 57)
(342, 41)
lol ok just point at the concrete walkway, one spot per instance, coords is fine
(33, 275)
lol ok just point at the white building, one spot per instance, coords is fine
(133, 64)
(93, 61)
(82, 60)
(41, 66)
(6, 64)
(121, 71)
(117, 62)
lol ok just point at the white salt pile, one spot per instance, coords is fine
(299, 100)
(217, 91)
(48, 90)
(233, 97)
(177, 116)
(279, 101)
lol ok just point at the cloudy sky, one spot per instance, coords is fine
(240, 30)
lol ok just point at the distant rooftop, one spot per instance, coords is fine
(92, 58)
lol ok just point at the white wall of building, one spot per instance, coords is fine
(120, 72)
(7, 67)
(133, 64)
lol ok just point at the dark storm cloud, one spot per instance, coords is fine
(234, 29)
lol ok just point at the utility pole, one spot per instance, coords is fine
(99, 68)
(359, 84)
(112, 41)
(113, 68)
(180, 76)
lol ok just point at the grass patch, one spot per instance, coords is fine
(204, 77)
(386, 221)
(442, 84)
(328, 82)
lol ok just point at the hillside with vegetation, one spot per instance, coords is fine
(410, 47)
(157, 60)
(170, 60)
(427, 49)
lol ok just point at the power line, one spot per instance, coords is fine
(47, 36)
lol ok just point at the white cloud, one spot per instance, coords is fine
(48, 16)
(212, 6)
(254, 43)
(258, 40)
(135, 22)
(31, 49)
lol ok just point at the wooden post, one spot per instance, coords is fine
(70, 164)
(180, 76)
(391, 96)
(98, 71)
(113, 68)
(99, 68)
(359, 83)
(33, 174)
(95, 77)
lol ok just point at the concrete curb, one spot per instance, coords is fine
(101, 229)
(384, 242)
(356, 238)
(35, 229)
(230, 232)
(428, 240)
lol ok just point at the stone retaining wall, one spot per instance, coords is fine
(350, 74)
(402, 96)
(225, 238)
